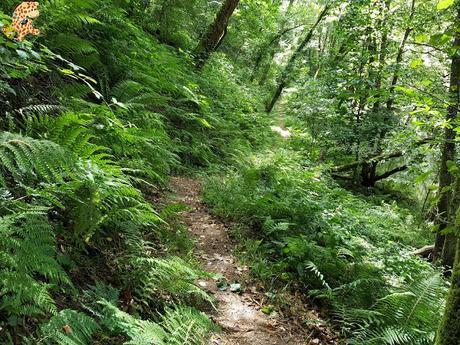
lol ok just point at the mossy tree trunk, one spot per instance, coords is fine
(447, 245)
(449, 331)
(444, 250)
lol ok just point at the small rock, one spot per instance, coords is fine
(236, 287)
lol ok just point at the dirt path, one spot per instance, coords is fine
(238, 309)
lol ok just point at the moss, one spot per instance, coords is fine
(449, 331)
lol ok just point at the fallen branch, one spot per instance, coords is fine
(391, 172)
(424, 252)
(379, 158)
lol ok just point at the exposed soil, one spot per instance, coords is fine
(240, 300)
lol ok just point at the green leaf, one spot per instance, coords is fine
(440, 39)
(452, 167)
(444, 4)
(422, 38)
(416, 63)
(66, 71)
(22, 54)
(267, 310)
(405, 90)
(204, 122)
(423, 177)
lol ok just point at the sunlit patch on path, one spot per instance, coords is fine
(283, 132)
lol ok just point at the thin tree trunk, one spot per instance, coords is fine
(257, 63)
(283, 82)
(369, 172)
(399, 57)
(272, 48)
(215, 33)
(443, 244)
(382, 57)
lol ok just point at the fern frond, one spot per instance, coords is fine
(140, 332)
(315, 270)
(409, 316)
(172, 276)
(69, 327)
(186, 326)
(28, 266)
(23, 157)
(40, 109)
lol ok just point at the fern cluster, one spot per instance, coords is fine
(166, 276)
(407, 316)
(70, 183)
(178, 325)
(28, 250)
(70, 173)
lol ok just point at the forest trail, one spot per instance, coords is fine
(238, 312)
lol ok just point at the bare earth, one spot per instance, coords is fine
(238, 312)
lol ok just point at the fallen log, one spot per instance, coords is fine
(424, 252)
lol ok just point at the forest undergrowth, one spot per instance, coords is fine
(113, 98)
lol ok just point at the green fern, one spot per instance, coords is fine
(140, 332)
(28, 265)
(406, 317)
(69, 327)
(178, 326)
(27, 158)
(170, 276)
(310, 266)
(185, 325)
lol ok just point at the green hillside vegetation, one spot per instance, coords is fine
(115, 97)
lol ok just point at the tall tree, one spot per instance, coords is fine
(285, 75)
(400, 55)
(449, 330)
(216, 31)
(270, 48)
(444, 251)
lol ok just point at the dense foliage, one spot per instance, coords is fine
(115, 97)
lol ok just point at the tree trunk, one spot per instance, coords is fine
(382, 56)
(283, 81)
(214, 34)
(443, 251)
(449, 330)
(377, 77)
(399, 57)
(450, 242)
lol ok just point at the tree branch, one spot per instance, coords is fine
(391, 172)
(379, 158)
